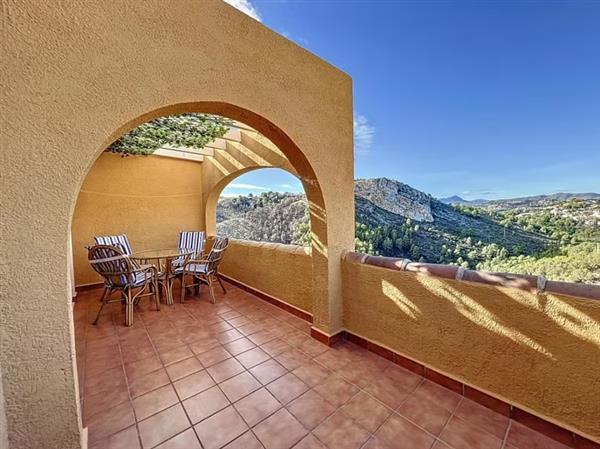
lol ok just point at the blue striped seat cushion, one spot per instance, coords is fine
(199, 268)
(140, 277)
(121, 241)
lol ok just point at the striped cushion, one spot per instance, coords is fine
(120, 241)
(140, 277)
(190, 240)
(199, 268)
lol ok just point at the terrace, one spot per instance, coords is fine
(311, 347)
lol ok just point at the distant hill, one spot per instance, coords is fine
(522, 201)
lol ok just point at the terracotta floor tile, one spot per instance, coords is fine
(148, 382)
(425, 413)
(163, 426)
(275, 347)
(133, 354)
(377, 443)
(385, 390)
(204, 345)
(107, 381)
(213, 356)
(154, 402)
(438, 395)
(522, 437)
(312, 373)
(292, 359)
(252, 357)
(336, 390)
(220, 326)
(239, 321)
(125, 439)
(225, 370)
(96, 403)
(220, 429)
(229, 336)
(183, 368)
(287, 388)
(459, 433)
(313, 347)
(246, 441)
(261, 337)
(483, 417)
(205, 404)
(309, 442)
(310, 409)
(193, 384)
(331, 360)
(141, 367)
(403, 378)
(110, 421)
(340, 432)
(238, 346)
(185, 440)
(175, 355)
(360, 374)
(257, 406)
(239, 386)
(401, 434)
(280, 431)
(249, 329)
(366, 411)
(268, 371)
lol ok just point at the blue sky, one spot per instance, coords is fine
(479, 99)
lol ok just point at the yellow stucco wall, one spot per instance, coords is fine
(281, 271)
(80, 75)
(149, 198)
(539, 352)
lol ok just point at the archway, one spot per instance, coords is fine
(67, 102)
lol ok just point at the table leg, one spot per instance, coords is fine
(168, 282)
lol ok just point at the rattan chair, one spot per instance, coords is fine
(204, 271)
(120, 241)
(190, 240)
(123, 274)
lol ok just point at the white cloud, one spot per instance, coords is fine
(230, 195)
(286, 186)
(246, 7)
(363, 134)
(236, 185)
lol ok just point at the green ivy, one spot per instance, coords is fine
(183, 130)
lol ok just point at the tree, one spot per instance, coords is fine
(183, 130)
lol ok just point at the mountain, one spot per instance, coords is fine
(547, 234)
(526, 200)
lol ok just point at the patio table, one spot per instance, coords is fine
(163, 260)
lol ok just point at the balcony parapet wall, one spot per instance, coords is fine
(530, 283)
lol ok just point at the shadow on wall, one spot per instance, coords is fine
(541, 352)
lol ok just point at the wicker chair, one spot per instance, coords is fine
(122, 274)
(190, 240)
(204, 271)
(120, 241)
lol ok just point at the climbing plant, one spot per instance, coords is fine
(183, 130)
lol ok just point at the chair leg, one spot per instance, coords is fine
(182, 288)
(105, 296)
(156, 294)
(210, 288)
(129, 308)
(220, 282)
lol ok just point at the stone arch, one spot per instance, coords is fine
(81, 78)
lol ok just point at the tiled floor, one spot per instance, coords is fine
(245, 374)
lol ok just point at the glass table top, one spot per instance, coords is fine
(165, 253)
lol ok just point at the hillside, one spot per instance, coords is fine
(393, 219)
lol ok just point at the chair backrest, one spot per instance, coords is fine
(112, 264)
(120, 241)
(216, 253)
(192, 240)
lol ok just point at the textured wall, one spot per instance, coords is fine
(149, 198)
(539, 352)
(281, 271)
(83, 72)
